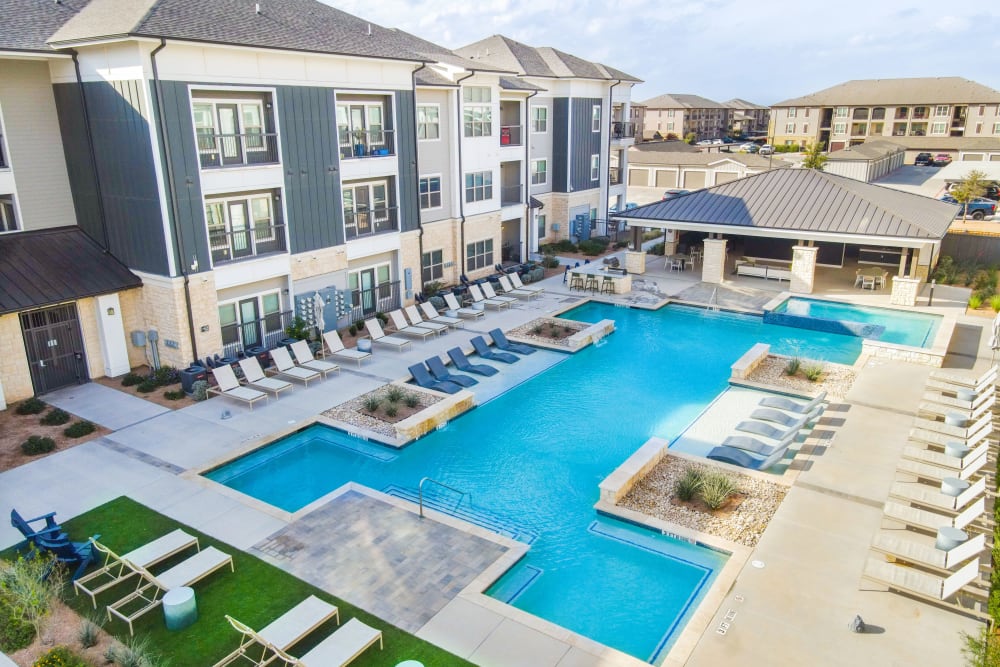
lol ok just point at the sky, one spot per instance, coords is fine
(764, 51)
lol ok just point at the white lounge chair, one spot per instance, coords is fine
(784, 418)
(899, 513)
(935, 438)
(911, 551)
(416, 320)
(477, 297)
(229, 386)
(488, 291)
(115, 570)
(945, 461)
(784, 403)
(150, 589)
(954, 431)
(466, 313)
(766, 430)
(304, 358)
(347, 643)
(911, 470)
(255, 377)
(432, 315)
(282, 633)
(336, 348)
(931, 496)
(936, 409)
(925, 585)
(284, 366)
(404, 328)
(959, 398)
(954, 379)
(378, 336)
(508, 288)
(515, 280)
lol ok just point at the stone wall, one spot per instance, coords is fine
(904, 291)
(914, 355)
(749, 362)
(713, 268)
(318, 262)
(803, 269)
(562, 204)
(478, 228)
(444, 236)
(14, 360)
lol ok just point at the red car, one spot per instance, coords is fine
(942, 159)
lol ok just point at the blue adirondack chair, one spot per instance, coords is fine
(51, 530)
(68, 553)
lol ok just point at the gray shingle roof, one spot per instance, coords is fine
(807, 200)
(919, 90)
(510, 83)
(544, 62)
(681, 101)
(737, 103)
(28, 24)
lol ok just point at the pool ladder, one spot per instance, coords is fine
(420, 492)
(713, 301)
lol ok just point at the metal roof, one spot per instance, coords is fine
(50, 266)
(957, 171)
(910, 91)
(638, 157)
(508, 83)
(869, 150)
(806, 200)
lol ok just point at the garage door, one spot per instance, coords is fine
(836, 145)
(639, 177)
(694, 180)
(995, 157)
(725, 177)
(666, 179)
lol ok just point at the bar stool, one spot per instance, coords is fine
(576, 282)
(607, 285)
(591, 284)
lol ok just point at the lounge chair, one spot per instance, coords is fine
(255, 377)
(931, 496)
(347, 643)
(515, 280)
(925, 585)
(115, 570)
(757, 446)
(936, 409)
(784, 418)
(911, 470)
(945, 461)
(488, 291)
(281, 633)
(484, 351)
(442, 374)
(416, 320)
(304, 358)
(229, 386)
(963, 399)
(745, 459)
(336, 348)
(378, 336)
(915, 517)
(462, 363)
(80, 554)
(285, 367)
(424, 379)
(783, 403)
(911, 551)
(432, 315)
(952, 430)
(508, 288)
(51, 530)
(477, 297)
(766, 430)
(150, 588)
(465, 313)
(501, 342)
(937, 439)
(977, 384)
(404, 328)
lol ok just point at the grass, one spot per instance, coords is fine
(256, 594)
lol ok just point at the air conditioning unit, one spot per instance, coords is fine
(555, 226)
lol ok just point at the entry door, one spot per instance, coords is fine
(250, 318)
(54, 345)
(239, 229)
(229, 128)
(362, 210)
(367, 286)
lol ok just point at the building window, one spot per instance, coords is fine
(840, 128)
(243, 226)
(231, 132)
(595, 167)
(979, 128)
(902, 112)
(941, 110)
(539, 172)
(789, 128)
(982, 109)
(806, 113)
(805, 128)
(477, 114)
(878, 113)
(861, 114)
(919, 113)
(479, 255)
(670, 126)
(840, 112)
(8, 221)
(540, 221)
(938, 128)
(877, 129)
(595, 118)
(431, 266)
(670, 113)
(428, 121)
(996, 128)
(430, 192)
(539, 119)
(479, 186)
(361, 129)
(791, 112)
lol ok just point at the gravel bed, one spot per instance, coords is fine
(524, 331)
(352, 412)
(743, 524)
(837, 379)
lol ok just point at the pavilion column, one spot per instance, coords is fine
(902, 261)
(713, 265)
(920, 268)
(803, 268)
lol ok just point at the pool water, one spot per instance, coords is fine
(532, 458)
(892, 326)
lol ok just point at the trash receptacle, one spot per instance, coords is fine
(190, 375)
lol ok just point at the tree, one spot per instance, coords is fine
(690, 137)
(970, 187)
(815, 158)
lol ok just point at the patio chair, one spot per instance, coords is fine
(676, 264)
(515, 280)
(115, 570)
(404, 328)
(934, 438)
(756, 446)
(508, 288)
(745, 459)
(281, 633)
(899, 513)
(462, 363)
(304, 358)
(285, 367)
(477, 297)
(783, 403)
(336, 348)
(348, 642)
(150, 588)
(911, 551)
(442, 374)
(784, 418)
(423, 379)
(432, 315)
(490, 293)
(930, 496)
(484, 351)
(908, 469)
(954, 431)
(964, 399)
(501, 342)
(65, 552)
(416, 320)
(255, 377)
(378, 336)
(465, 313)
(51, 530)
(962, 380)
(925, 585)
(229, 386)
(969, 458)
(936, 409)
(766, 430)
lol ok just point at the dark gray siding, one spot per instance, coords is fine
(124, 166)
(409, 210)
(311, 160)
(584, 142)
(560, 143)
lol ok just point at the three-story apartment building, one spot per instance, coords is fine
(681, 115)
(747, 119)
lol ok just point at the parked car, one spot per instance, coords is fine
(990, 190)
(674, 192)
(924, 160)
(704, 142)
(749, 148)
(717, 142)
(767, 149)
(628, 207)
(942, 159)
(977, 209)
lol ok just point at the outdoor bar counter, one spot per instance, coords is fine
(622, 280)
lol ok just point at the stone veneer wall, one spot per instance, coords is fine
(904, 291)
(442, 235)
(409, 258)
(803, 269)
(914, 355)
(478, 228)
(317, 262)
(14, 360)
(161, 307)
(713, 268)
(561, 205)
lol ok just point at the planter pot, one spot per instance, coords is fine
(956, 419)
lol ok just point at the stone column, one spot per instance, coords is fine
(713, 267)
(803, 268)
(921, 263)
(635, 262)
(904, 291)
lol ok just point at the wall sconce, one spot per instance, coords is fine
(194, 262)
(111, 312)
(277, 197)
(204, 328)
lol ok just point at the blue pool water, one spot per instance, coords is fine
(532, 458)
(889, 325)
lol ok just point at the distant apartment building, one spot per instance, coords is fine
(746, 118)
(681, 115)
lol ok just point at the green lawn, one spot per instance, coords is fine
(256, 594)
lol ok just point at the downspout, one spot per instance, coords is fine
(172, 188)
(461, 195)
(527, 176)
(608, 169)
(91, 152)
(416, 175)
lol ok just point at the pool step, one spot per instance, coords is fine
(448, 504)
(514, 583)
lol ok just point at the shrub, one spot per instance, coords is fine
(147, 386)
(813, 372)
(395, 394)
(995, 303)
(793, 365)
(984, 279)
(133, 653)
(382, 317)
(131, 379)
(567, 329)
(174, 395)
(298, 329)
(946, 271)
(30, 406)
(88, 633)
(716, 489)
(79, 429)
(353, 330)
(199, 390)
(652, 234)
(433, 287)
(593, 247)
(688, 485)
(391, 410)
(110, 654)
(975, 301)
(621, 244)
(411, 400)
(537, 329)
(61, 656)
(550, 261)
(55, 417)
(371, 403)
(37, 444)
(165, 375)
(30, 586)
(15, 632)
(656, 249)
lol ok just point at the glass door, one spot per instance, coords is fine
(249, 316)
(362, 210)
(229, 129)
(240, 229)
(360, 137)
(367, 285)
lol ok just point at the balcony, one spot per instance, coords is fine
(236, 150)
(264, 332)
(614, 176)
(510, 195)
(369, 222)
(510, 135)
(622, 130)
(368, 143)
(365, 303)
(232, 246)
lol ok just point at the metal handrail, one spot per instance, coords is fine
(420, 492)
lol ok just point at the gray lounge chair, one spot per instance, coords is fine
(751, 444)
(336, 347)
(783, 403)
(442, 374)
(462, 363)
(416, 320)
(745, 459)
(255, 377)
(490, 293)
(285, 367)
(304, 357)
(515, 280)
(432, 315)
(784, 418)
(405, 329)
(477, 297)
(229, 386)
(766, 430)
(484, 351)
(508, 288)
(378, 336)
(423, 379)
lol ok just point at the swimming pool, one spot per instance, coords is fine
(884, 324)
(533, 457)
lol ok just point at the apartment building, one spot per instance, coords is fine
(933, 114)
(747, 119)
(681, 115)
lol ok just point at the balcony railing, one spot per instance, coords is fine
(510, 195)
(367, 143)
(264, 332)
(510, 135)
(233, 150)
(614, 176)
(622, 129)
(369, 222)
(240, 244)
(366, 302)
